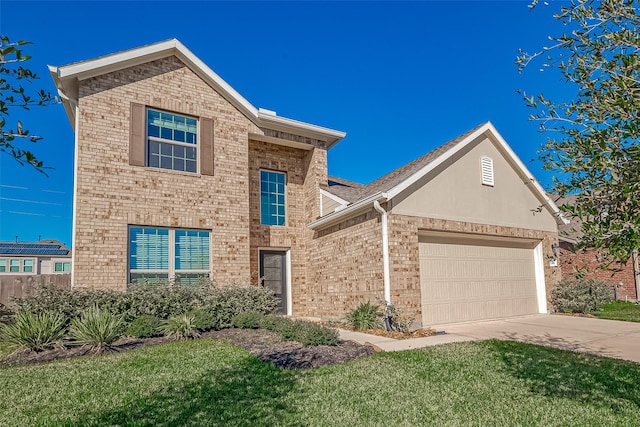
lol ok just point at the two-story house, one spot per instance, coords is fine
(177, 176)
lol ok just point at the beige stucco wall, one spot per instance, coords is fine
(111, 194)
(454, 192)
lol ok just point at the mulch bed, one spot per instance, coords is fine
(265, 345)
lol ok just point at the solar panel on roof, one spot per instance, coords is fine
(32, 249)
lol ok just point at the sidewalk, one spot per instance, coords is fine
(391, 344)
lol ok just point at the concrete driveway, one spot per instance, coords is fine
(602, 337)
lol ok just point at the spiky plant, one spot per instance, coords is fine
(98, 329)
(34, 332)
(181, 327)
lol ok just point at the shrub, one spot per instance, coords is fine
(248, 320)
(144, 326)
(205, 318)
(180, 327)
(161, 300)
(580, 295)
(96, 328)
(35, 332)
(303, 331)
(365, 316)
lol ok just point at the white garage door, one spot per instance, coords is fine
(464, 279)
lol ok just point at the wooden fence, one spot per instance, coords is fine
(21, 285)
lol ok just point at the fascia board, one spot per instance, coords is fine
(393, 192)
(348, 212)
(305, 129)
(68, 108)
(333, 197)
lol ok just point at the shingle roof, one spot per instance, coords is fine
(570, 232)
(354, 193)
(46, 248)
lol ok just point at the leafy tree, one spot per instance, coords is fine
(13, 95)
(594, 143)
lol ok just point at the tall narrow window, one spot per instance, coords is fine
(161, 254)
(486, 164)
(272, 198)
(172, 141)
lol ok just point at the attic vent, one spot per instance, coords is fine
(487, 171)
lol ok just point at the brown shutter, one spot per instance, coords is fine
(138, 134)
(206, 146)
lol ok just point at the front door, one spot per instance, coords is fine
(273, 275)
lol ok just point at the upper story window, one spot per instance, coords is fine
(172, 141)
(272, 197)
(164, 140)
(162, 254)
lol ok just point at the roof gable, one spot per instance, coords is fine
(66, 79)
(401, 179)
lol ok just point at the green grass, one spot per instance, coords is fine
(200, 383)
(619, 310)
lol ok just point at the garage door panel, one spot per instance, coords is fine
(464, 282)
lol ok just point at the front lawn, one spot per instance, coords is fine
(619, 310)
(208, 382)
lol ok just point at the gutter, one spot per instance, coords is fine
(348, 212)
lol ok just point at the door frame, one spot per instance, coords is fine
(287, 271)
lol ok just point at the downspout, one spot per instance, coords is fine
(385, 252)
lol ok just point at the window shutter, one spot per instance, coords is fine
(487, 171)
(206, 146)
(137, 141)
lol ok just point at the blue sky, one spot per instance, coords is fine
(399, 77)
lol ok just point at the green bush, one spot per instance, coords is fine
(303, 331)
(581, 295)
(205, 318)
(96, 328)
(180, 327)
(248, 320)
(35, 332)
(162, 301)
(365, 316)
(144, 326)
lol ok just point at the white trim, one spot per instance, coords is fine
(486, 171)
(541, 290)
(286, 208)
(333, 197)
(348, 212)
(66, 78)
(385, 252)
(288, 283)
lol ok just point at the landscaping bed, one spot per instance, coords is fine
(265, 345)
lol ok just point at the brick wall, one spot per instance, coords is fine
(111, 194)
(346, 261)
(574, 260)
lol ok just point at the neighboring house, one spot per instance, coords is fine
(178, 176)
(579, 261)
(42, 257)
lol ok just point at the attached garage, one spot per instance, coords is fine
(466, 278)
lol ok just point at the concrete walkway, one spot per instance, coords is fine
(608, 338)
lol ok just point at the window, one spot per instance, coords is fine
(172, 141)
(3, 265)
(162, 254)
(62, 267)
(486, 164)
(14, 266)
(272, 193)
(27, 266)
